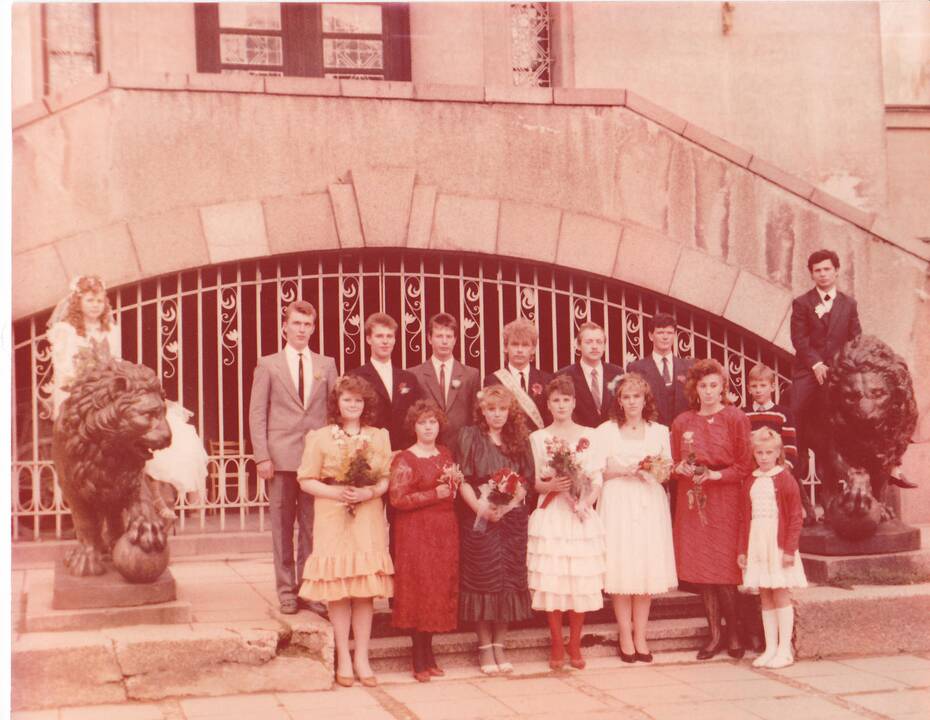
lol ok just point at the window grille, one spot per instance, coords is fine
(530, 44)
(70, 39)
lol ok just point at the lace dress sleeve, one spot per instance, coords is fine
(404, 488)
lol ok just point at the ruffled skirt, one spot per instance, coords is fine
(183, 463)
(764, 568)
(350, 557)
(565, 559)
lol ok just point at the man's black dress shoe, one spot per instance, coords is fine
(288, 607)
(313, 606)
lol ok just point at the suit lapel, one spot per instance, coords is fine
(429, 380)
(316, 362)
(374, 379)
(458, 370)
(582, 380)
(839, 307)
(285, 373)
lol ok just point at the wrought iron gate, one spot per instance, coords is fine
(202, 330)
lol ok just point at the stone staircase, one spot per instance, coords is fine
(676, 623)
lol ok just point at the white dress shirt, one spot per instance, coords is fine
(386, 373)
(292, 357)
(525, 372)
(827, 305)
(756, 407)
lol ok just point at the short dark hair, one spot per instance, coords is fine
(661, 320)
(442, 319)
(379, 318)
(301, 306)
(561, 384)
(421, 409)
(818, 256)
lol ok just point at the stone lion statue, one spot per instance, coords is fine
(108, 427)
(873, 415)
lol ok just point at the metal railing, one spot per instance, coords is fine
(202, 331)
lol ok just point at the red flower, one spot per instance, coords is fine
(536, 389)
(583, 445)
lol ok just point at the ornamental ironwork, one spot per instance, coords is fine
(530, 44)
(203, 330)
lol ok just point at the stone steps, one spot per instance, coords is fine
(459, 649)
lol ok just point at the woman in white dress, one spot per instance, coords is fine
(565, 549)
(85, 315)
(635, 511)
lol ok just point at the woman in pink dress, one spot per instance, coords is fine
(710, 444)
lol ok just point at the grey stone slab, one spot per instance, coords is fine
(108, 590)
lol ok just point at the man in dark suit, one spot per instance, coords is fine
(822, 320)
(527, 384)
(444, 379)
(595, 380)
(397, 389)
(665, 373)
(289, 393)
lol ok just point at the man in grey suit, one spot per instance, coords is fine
(289, 393)
(452, 385)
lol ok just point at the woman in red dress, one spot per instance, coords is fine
(426, 534)
(710, 444)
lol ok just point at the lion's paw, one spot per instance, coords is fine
(84, 560)
(149, 536)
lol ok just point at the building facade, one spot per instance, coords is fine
(559, 161)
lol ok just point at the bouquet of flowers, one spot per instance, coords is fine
(657, 467)
(504, 487)
(563, 459)
(356, 470)
(451, 476)
(696, 497)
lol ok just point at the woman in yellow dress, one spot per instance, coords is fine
(350, 564)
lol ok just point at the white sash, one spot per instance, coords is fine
(525, 401)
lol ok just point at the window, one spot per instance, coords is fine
(531, 48)
(335, 40)
(69, 43)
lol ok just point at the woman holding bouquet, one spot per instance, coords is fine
(566, 538)
(710, 444)
(345, 467)
(633, 457)
(426, 534)
(493, 562)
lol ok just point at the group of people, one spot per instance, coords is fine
(531, 492)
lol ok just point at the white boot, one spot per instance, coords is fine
(783, 656)
(770, 629)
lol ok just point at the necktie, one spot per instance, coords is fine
(826, 298)
(666, 376)
(595, 390)
(300, 378)
(522, 381)
(442, 382)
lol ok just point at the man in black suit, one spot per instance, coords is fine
(822, 320)
(396, 388)
(665, 373)
(447, 381)
(595, 380)
(527, 384)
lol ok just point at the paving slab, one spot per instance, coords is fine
(797, 708)
(714, 710)
(642, 697)
(35, 715)
(854, 682)
(481, 707)
(628, 678)
(123, 711)
(895, 704)
(739, 689)
(234, 706)
(339, 700)
(562, 703)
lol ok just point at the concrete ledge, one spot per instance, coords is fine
(776, 175)
(214, 82)
(837, 207)
(26, 114)
(376, 89)
(717, 144)
(325, 87)
(522, 95)
(588, 96)
(866, 620)
(131, 80)
(76, 93)
(56, 669)
(656, 113)
(448, 93)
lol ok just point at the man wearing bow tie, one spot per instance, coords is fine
(289, 393)
(822, 320)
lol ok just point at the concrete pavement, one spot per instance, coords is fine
(673, 688)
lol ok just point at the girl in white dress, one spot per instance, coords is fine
(769, 534)
(565, 550)
(85, 315)
(635, 512)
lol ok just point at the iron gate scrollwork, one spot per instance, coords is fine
(203, 330)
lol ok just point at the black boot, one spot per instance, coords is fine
(420, 666)
(728, 605)
(712, 610)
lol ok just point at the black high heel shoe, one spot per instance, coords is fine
(631, 658)
(644, 657)
(706, 653)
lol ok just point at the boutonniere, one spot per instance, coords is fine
(680, 378)
(821, 310)
(536, 389)
(317, 375)
(403, 388)
(456, 383)
(612, 385)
